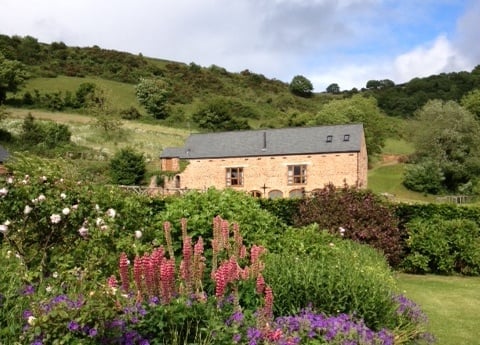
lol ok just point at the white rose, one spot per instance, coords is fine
(3, 229)
(138, 234)
(27, 209)
(66, 211)
(31, 320)
(55, 218)
(83, 231)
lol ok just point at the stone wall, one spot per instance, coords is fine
(265, 174)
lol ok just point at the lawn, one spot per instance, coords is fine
(451, 303)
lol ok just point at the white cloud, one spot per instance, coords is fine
(425, 60)
(347, 42)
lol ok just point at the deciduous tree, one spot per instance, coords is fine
(153, 95)
(12, 76)
(471, 102)
(301, 86)
(449, 135)
(333, 88)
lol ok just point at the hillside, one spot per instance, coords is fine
(260, 101)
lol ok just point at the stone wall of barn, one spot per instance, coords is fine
(267, 176)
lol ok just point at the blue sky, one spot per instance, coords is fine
(347, 42)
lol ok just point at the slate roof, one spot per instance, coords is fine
(270, 142)
(3, 154)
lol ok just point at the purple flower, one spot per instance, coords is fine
(236, 338)
(235, 318)
(28, 290)
(73, 326)
(92, 332)
(27, 313)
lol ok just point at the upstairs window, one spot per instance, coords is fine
(297, 174)
(234, 177)
(346, 137)
(329, 138)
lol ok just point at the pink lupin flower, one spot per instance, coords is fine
(220, 281)
(112, 282)
(157, 258)
(198, 263)
(123, 268)
(268, 307)
(167, 274)
(148, 270)
(137, 273)
(260, 284)
(225, 234)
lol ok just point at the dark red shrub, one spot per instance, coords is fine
(362, 215)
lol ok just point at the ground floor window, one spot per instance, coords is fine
(297, 174)
(234, 177)
(256, 193)
(296, 193)
(275, 194)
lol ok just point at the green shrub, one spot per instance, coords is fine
(46, 217)
(12, 300)
(334, 275)
(127, 167)
(284, 208)
(49, 134)
(258, 226)
(443, 246)
(425, 177)
(362, 215)
(131, 113)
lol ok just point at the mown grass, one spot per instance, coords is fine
(386, 174)
(451, 303)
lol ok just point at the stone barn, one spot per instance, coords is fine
(272, 163)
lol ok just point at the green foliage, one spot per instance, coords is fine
(361, 214)
(443, 246)
(258, 226)
(153, 95)
(334, 275)
(471, 102)
(47, 134)
(131, 113)
(283, 208)
(83, 94)
(219, 115)
(301, 86)
(127, 167)
(333, 88)
(448, 135)
(12, 76)
(12, 303)
(357, 109)
(403, 100)
(426, 177)
(51, 216)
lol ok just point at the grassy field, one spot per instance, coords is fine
(147, 138)
(386, 174)
(451, 303)
(122, 95)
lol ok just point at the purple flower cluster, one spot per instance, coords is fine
(340, 329)
(409, 309)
